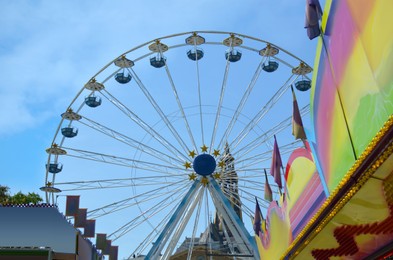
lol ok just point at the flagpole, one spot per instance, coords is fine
(311, 135)
(339, 95)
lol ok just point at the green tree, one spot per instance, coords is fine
(18, 198)
(4, 194)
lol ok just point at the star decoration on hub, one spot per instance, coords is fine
(187, 165)
(204, 148)
(216, 153)
(204, 181)
(192, 176)
(217, 175)
(192, 154)
(221, 164)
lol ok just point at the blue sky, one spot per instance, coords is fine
(49, 49)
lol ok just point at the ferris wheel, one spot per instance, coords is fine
(172, 139)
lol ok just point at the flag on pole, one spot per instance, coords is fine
(72, 205)
(313, 15)
(268, 190)
(80, 218)
(90, 228)
(101, 241)
(297, 124)
(275, 168)
(107, 249)
(257, 219)
(113, 253)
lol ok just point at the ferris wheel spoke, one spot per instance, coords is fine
(191, 246)
(139, 146)
(159, 110)
(131, 204)
(251, 197)
(242, 103)
(150, 237)
(247, 174)
(265, 109)
(228, 238)
(256, 185)
(148, 199)
(103, 210)
(253, 186)
(121, 161)
(207, 213)
(266, 136)
(145, 126)
(235, 200)
(148, 213)
(258, 159)
(220, 101)
(179, 104)
(199, 94)
(115, 183)
(182, 224)
(263, 138)
(136, 200)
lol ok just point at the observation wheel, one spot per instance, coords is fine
(169, 144)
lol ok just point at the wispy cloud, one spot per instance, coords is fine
(49, 49)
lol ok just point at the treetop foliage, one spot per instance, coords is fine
(18, 198)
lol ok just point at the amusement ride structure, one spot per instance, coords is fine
(176, 131)
(200, 135)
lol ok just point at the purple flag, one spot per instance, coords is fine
(257, 219)
(275, 168)
(313, 15)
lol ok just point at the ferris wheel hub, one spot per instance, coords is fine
(204, 164)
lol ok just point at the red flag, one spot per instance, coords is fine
(101, 241)
(297, 124)
(313, 15)
(107, 249)
(72, 205)
(90, 228)
(257, 219)
(113, 253)
(80, 218)
(268, 190)
(275, 168)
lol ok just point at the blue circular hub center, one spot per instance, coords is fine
(204, 164)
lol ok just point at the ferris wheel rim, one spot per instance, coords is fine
(98, 88)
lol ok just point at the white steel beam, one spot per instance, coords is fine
(245, 242)
(166, 233)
